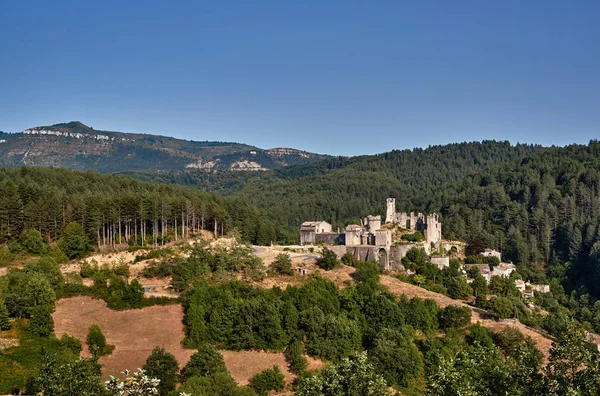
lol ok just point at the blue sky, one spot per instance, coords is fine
(340, 77)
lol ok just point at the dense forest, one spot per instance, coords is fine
(117, 209)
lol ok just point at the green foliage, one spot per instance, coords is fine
(207, 362)
(218, 384)
(33, 242)
(328, 259)
(501, 307)
(367, 271)
(479, 335)
(283, 264)
(96, 342)
(458, 288)
(48, 268)
(74, 241)
(163, 366)
(71, 343)
(454, 316)
(161, 269)
(294, 355)
(41, 323)
(353, 376)
(396, 358)
(414, 237)
(267, 380)
(81, 377)
(4, 318)
(18, 364)
(349, 259)
(6, 257)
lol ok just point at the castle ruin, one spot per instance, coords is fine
(372, 240)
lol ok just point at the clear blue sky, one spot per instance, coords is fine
(340, 77)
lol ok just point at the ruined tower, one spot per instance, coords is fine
(391, 210)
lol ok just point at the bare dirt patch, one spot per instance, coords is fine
(243, 365)
(134, 333)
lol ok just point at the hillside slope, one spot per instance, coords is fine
(77, 146)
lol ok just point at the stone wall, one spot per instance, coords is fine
(333, 238)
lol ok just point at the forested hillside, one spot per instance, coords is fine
(117, 209)
(542, 211)
(78, 146)
(341, 194)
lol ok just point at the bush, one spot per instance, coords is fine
(283, 264)
(41, 322)
(58, 255)
(4, 319)
(71, 343)
(458, 288)
(97, 342)
(74, 242)
(500, 307)
(33, 242)
(88, 270)
(414, 237)
(479, 335)
(163, 366)
(6, 257)
(295, 357)
(396, 358)
(206, 362)
(328, 260)
(267, 380)
(349, 259)
(158, 270)
(454, 316)
(367, 271)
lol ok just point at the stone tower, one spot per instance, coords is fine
(391, 210)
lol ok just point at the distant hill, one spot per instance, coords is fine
(77, 146)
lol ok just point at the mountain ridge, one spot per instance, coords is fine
(78, 146)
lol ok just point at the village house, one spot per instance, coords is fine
(492, 253)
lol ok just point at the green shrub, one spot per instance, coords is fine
(414, 237)
(71, 343)
(97, 342)
(295, 357)
(349, 259)
(283, 264)
(33, 242)
(162, 269)
(328, 259)
(206, 362)
(163, 366)
(74, 242)
(367, 271)
(4, 318)
(267, 380)
(6, 257)
(454, 316)
(41, 322)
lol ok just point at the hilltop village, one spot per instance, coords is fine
(387, 243)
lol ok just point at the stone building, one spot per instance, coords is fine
(492, 253)
(369, 241)
(310, 229)
(429, 225)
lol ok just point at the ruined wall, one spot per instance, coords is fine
(390, 210)
(373, 223)
(383, 237)
(307, 237)
(333, 238)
